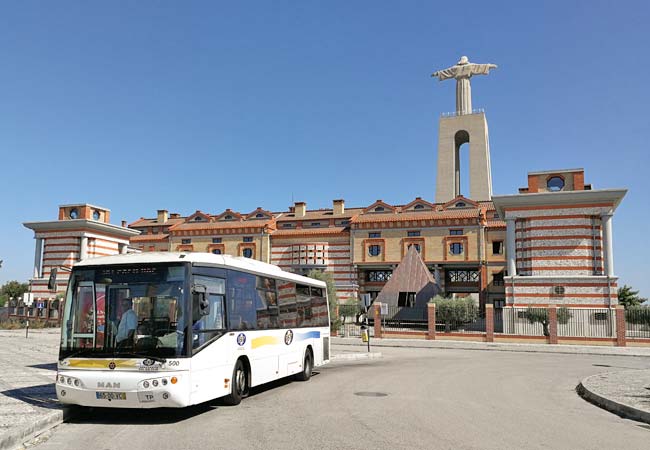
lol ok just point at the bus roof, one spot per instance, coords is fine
(198, 258)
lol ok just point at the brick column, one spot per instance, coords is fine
(489, 322)
(620, 326)
(377, 312)
(552, 324)
(431, 319)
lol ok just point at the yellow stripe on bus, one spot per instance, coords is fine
(101, 363)
(264, 340)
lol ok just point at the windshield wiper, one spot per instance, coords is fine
(159, 359)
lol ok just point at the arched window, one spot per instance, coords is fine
(418, 206)
(379, 209)
(216, 251)
(456, 248)
(417, 247)
(247, 253)
(374, 250)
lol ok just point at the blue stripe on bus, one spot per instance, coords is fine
(308, 335)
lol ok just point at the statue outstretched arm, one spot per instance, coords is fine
(482, 69)
(444, 74)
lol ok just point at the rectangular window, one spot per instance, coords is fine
(413, 233)
(374, 234)
(315, 224)
(216, 240)
(287, 225)
(455, 232)
(154, 230)
(497, 279)
(248, 238)
(267, 304)
(186, 241)
(287, 304)
(497, 247)
(242, 294)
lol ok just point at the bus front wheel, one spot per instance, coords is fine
(238, 386)
(307, 366)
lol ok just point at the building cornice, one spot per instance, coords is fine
(609, 197)
(83, 224)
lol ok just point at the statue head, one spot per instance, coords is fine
(463, 60)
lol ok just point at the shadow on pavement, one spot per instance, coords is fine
(43, 395)
(47, 366)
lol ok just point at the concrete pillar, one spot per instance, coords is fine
(608, 248)
(38, 254)
(511, 247)
(552, 325)
(489, 322)
(620, 326)
(83, 249)
(431, 321)
(123, 248)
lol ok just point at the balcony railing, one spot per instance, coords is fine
(458, 113)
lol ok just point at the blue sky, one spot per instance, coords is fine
(139, 106)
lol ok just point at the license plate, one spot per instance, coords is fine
(111, 395)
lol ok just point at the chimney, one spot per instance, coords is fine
(163, 215)
(301, 209)
(174, 216)
(124, 224)
(339, 207)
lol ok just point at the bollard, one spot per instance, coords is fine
(26, 329)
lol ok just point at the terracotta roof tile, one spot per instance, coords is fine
(320, 214)
(149, 237)
(221, 225)
(142, 222)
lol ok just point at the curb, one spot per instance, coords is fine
(355, 356)
(620, 409)
(14, 438)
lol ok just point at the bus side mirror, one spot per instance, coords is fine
(201, 299)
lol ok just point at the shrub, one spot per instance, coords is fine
(540, 315)
(455, 312)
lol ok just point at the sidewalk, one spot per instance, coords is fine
(27, 374)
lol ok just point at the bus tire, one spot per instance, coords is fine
(307, 366)
(239, 387)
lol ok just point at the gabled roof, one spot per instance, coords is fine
(258, 214)
(425, 205)
(198, 216)
(460, 199)
(385, 208)
(233, 215)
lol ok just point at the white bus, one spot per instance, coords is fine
(176, 329)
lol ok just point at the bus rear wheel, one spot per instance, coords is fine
(239, 387)
(307, 366)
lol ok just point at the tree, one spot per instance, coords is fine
(541, 315)
(331, 294)
(13, 289)
(627, 297)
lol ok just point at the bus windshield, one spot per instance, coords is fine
(126, 310)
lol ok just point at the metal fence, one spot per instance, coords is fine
(517, 321)
(637, 322)
(585, 322)
(349, 327)
(405, 319)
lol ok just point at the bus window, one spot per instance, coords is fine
(242, 301)
(267, 305)
(287, 315)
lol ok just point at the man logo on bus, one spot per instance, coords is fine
(288, 337)
(241, 339)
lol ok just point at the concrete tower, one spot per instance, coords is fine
(465, 126)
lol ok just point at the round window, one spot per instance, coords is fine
(555, 184)
(374, 250)
(96, 215)
(74, 213)
(248, 253)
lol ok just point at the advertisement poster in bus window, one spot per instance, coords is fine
(100, 292)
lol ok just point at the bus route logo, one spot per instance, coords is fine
(288, 337)
(241, 339)
(111, 365)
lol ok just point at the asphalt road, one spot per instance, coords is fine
(410, 399)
